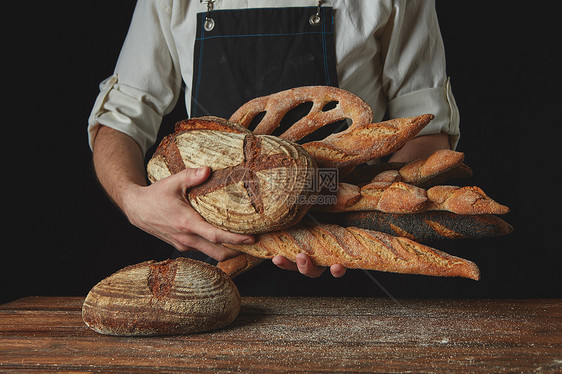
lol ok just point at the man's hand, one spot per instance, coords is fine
(162, 209)
(305, 266)
(419, 147)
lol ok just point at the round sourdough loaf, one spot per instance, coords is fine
(162, 298)
(259, 183)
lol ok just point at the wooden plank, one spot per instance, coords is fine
(303, 334)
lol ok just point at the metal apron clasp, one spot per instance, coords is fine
(314, 19)
(209, 22)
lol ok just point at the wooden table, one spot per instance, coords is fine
(300, 335)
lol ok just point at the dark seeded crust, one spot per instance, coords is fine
(423, 227)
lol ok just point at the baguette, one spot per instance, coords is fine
(356, 248)
(440, 167)
(419, 171)
(423, 227)
(361, 143)
(463, 200)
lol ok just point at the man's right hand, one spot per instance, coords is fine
(162, 209)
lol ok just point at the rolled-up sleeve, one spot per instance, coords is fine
(414, 74)
(146, 82)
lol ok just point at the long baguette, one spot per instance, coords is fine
(358, 144)
(422, 227)
(355, 248)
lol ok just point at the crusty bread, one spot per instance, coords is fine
(440, 167)
(463, 200)
(239, 264)
(400, 197)
(162, 298)
(278, 104)
(422, 227)
(258, 183)
(361, 143)
(440, 161)
(328, 244)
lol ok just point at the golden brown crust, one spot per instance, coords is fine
(463, 200)
(438, 168)
(258, 183)
(356, 248)
(240, 264)
(361, 143)
(439, 162)
(162, 298)
(278, 104)
(400, 197)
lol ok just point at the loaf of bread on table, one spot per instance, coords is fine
(356, 248)
(170, 297)
(422, 227)
(258, 182)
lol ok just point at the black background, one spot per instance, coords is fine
(62, 234)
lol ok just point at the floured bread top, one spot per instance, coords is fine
(257, 183)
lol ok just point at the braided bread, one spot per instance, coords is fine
(355, 248)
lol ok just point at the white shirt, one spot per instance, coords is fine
(389, 52)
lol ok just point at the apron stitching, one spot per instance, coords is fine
(324, 49)
(199, 69)
(250, 35)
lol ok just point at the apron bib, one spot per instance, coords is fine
(256, 52)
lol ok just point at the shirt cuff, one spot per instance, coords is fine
(127, 110)
(438, 101)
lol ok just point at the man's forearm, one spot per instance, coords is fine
(118, 162)
(421, 147)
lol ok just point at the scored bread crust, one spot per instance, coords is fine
(355, 248)
(361, 143)
(258, 183)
